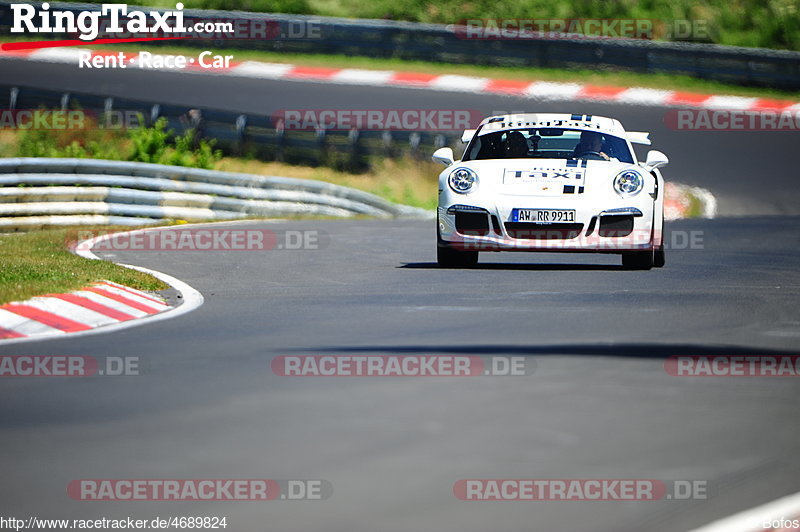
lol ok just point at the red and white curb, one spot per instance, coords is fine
(103, 307)
(776, 516)
(97, 305)
(537, 90)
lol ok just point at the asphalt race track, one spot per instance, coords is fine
(599, 403)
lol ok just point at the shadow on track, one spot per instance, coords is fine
(519, 266)
(610, 350)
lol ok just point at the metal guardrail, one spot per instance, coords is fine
(251, 135)
(37, 193)
(436, 42)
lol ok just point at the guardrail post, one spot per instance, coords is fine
(241, 133)
(354, 149)
(320, 137)
(280, 141)
(195, 122)
(386, 137)
(413, 143)
(105, 119)
(12, 98)
(155, 112)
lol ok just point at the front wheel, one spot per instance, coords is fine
(638, 260)
(448, 257)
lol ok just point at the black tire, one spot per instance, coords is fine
(638, 260)
(659, 258)
(448, 257)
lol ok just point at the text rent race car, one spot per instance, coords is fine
(551, 182)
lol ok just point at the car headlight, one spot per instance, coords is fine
(628, 183)
(462, 180)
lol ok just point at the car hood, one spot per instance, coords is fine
(544, 176)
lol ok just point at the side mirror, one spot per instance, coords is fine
(656, 159)
(467, 135)
(444, 156)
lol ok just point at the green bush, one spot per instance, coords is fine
(154, 144)
(149, 143)
(90, 141)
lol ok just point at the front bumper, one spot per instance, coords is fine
(612, 226)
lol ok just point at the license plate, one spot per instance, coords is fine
(543, 215)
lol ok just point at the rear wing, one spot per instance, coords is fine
(638, 137)
(467, 135)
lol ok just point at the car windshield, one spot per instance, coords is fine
(548, 143)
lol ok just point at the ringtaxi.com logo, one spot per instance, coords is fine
(251, 489)
(119, 22)
(67, 366)
(531, 489)
(27, 18)
(205, 28)
(196, 239)
(401, 366)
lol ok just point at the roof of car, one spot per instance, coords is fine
(600, 124)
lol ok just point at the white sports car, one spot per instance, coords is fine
(551, 182)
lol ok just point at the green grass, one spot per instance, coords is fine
(38, 263)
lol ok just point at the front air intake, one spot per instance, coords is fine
(616, 226)
(472, 223)
(529, 231)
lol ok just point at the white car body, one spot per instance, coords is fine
(550, 199)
